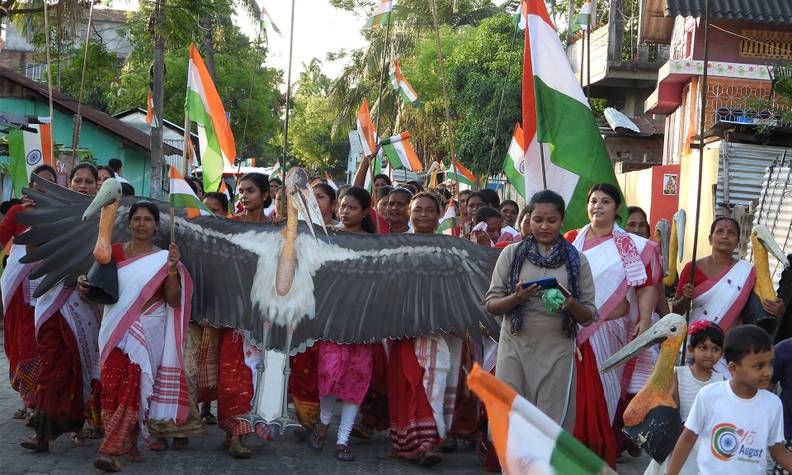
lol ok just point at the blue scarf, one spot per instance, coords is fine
(561, 253)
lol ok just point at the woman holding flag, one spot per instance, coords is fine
(141, 340)
(625, 271)
(66, 335)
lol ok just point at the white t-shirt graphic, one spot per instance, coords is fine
(734, 433)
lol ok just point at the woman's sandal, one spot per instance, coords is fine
(239, 451)
(180, 443)
(343, 454)
(209, 419)
(429, 459)
(93, 433)
(316, 440)
(79, 438)
(20, 414)
(35, 444)
(107, 465)
(158, 445)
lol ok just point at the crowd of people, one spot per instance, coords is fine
(125, 371)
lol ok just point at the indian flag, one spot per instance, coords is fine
(151, 119)
(398, 82)
(519, 18)
(266, 19)
(182, 196)
(27, 150)
(366, 130)
(448, 222)
(400, 153)
(381, 15)
(376, 169)
(204, 107)
(526, 440)
(582, 20)
(460, 174)
(557, 117)
(513, 164)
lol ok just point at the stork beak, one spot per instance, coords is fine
(108, 194)
(680, 218)
(669, 326)
(301, 197)
(662, 230)
(765, 237)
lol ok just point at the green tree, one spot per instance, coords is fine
(102, 74)
(310, 130)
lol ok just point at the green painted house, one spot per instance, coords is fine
(103, 135)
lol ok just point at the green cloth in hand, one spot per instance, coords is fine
(553, 299)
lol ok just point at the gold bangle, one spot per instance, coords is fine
(173, 273)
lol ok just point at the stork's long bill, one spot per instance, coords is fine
(300, 201)
(670, 332)
(106, 204)
(762, 241)
(676, 243)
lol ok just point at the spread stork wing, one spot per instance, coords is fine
(354, 289)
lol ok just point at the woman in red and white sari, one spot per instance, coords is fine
(622, 267)
(66, 330)
(141, 340)
(19, 334)
(721, 285)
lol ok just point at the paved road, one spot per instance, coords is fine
(207, 456)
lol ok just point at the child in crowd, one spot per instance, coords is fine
(738, 420)
(782, 374)
(705, 349)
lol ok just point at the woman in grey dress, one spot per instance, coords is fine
(537, 347)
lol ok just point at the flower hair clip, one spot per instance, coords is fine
(700, 326)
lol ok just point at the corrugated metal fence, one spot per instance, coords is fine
(775, 211)
(740, 171)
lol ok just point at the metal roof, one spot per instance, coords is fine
(741, 168)
(121, 130)
(759, 11)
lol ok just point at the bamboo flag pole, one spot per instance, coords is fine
(381, 91)
(78, 115)
(702, 125)
(49, 79)
(288, 105)
(443, 80)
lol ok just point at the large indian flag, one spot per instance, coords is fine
(513, 165)
(400, 153)
(204, 107)
(557, 116)
(27, 150)
(527, 441)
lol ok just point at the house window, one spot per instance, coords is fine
(766, 44)
(35, 71)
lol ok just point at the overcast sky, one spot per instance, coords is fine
(318, 29)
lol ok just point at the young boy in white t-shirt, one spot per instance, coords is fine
(737, 419)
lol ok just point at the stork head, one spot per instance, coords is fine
(108, 194)
(680, 219)
(670, 327)
(302, 198)
(764, 237)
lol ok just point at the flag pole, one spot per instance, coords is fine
(49, 85)
(588, 61)
(78, 115)
(441, 60)
(382, 70)
(582, 55)
(500, 103)
(702, 124)
(288, 105)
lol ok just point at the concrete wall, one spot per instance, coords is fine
(644, 188)
(101, 143)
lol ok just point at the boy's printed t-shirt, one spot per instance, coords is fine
(734, 433)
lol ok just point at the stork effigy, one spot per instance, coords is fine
(652, 420)
(283, 287)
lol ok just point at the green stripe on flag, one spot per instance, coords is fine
(212, 158)
(392, 155)
(514, 176)
(569, 126)
(571, 457)
(18, 167)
